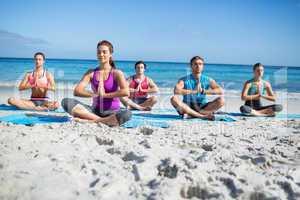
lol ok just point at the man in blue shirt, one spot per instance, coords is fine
(194, 88)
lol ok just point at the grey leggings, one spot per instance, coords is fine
(247, 109)
(122, 115)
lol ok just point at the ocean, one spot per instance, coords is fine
(165, 74)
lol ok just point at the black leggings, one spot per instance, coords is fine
(245, 109)
(122, 115)
(69, 103)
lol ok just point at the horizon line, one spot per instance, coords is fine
(122, 60)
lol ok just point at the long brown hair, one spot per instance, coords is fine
(111, 49)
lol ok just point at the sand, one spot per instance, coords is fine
(247, 159)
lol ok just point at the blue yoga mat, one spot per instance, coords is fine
(169, 117)
(31, 119)
(8, 107)
(133, 123)
(278, 116)
(159, 120)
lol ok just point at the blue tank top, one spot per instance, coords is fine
(190, 83)
(256, 104)
(253, 88)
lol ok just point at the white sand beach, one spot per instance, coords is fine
(248, 159)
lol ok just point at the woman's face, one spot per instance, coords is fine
(197, 66)
(39, 60)
(140, 68)
(259, 72)
(103, 54)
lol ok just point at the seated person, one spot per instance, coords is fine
(140, 86)
(256, 89)
(194, 88)
(108, 85)
(39, 81)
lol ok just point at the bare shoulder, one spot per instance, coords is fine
(180, 83)
(130, 78)
(89, 73)
(27, 74)
(211, 80)
(149, 79)
(267, 83)
(118, 72)
(247, 82)
(49, 74)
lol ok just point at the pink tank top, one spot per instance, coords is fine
(38, 81)
(134, 83)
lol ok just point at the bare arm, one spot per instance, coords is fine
(152, 87)
(24, 84)
(270, 94)
(179, 89)
(215, 88)
(131, 90)
(245, 96)
(123, 90)
(80, 90)
(51, 85)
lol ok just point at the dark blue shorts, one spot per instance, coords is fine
(139, 100)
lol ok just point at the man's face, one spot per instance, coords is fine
(197, 66)
(140, 69)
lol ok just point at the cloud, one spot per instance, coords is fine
(17, 45)
(15, 38)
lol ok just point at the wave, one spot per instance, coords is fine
(161, 84)
(59, 85)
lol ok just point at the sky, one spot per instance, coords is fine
(231, 31)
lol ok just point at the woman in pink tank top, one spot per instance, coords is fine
(140, 87)
(39, 81)
(108, 84)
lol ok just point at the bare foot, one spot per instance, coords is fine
(110, 120)
(210, 117)
(40, 108)
(52, 105)
(269, 113)
(76, 119)
(147, 108)
(141, 108)
(264, 113)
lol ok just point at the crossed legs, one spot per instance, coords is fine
(83, 114)
(146, 105)
(30, 105)
(265, 111)
(205, 113)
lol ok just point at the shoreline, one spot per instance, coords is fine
(232, 98)
(149, 61)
